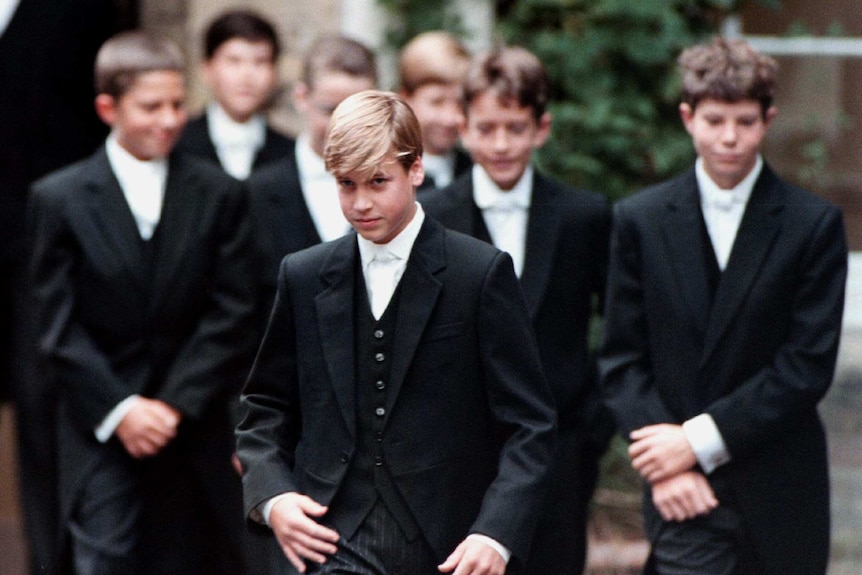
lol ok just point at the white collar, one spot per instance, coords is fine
(127, 166)
(7, 12)
(400, 246)
(487, 194)
(311, 166)
(712, 195)
(225, 131)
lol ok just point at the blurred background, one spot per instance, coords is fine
(615, 130)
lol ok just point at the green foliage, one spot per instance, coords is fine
(613, 69)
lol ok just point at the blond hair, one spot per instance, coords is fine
(125, 56)
(727, 70)
(434, 57)
(366, 129)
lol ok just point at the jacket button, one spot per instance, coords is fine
(378, 334)
(344, 458)
(379, 384)
(380, 411)
(378, 461)
(379, 357)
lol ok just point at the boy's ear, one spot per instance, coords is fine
(417, 173)
(686, 114)
(543, 131)
(771, 112)
(106, 108)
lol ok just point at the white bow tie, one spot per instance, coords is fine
(724, 201)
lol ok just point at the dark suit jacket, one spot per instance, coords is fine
(465, 377)
(108, 327)
(565, 265)
(757, 360)
(281, 224)
(195, 140)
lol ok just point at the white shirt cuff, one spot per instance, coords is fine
(493, 544)
(106, 429)
(706, 442)
(263, 511)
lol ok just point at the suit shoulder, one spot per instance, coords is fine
(273, 175)
(280, 142)
(465, 247)
(566, 195)
(66, 181)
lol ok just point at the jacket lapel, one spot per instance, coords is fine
(542, 232)
(681, 229)
(334, 308)
(419, 293)
(180, 210)
(754, 240)
(111, 214)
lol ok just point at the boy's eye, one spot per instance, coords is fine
(518, 129)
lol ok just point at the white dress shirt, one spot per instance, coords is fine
(320, 191)
(722, 211)
(384, 264)
(7, 11)
(440, 168)
(236, 144)
(505, 212)
(143, 184)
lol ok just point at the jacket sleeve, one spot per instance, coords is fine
(522, 406)
(771, 401)
(624, 360)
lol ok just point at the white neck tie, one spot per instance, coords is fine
(381, 280)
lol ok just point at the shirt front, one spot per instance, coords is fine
(236, 144)
(384, 264)
(440, 168)
(723, 209)
(505, 212)
(143, 183)
(7, 12)
(320, 191)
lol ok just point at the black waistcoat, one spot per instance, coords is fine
(368, 477)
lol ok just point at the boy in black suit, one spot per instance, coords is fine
(431, 68)
(398, 419)
(294, 201)
(725, 296)
(558, 237)
(241, 50)
(143, 304)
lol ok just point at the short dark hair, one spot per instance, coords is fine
(339, 54)
(125, 56)
(510, 73)
(727, 70)
(243, 24)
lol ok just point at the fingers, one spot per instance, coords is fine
(452, 561)
(684, 496)
(301, 538)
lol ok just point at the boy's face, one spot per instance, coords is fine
(381, 206)
(728, 136)
(318, 102)
(148, 118)
(241, 75)
(438, 108)
(501, 137)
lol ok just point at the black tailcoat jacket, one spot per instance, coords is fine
(110, 325)
(469, 429)
(758, 359)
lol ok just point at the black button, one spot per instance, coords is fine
(380, 385)
(379, 436)
(380, 412)
(379, 357)
(378, 460)
(344, 458)
(378, 334)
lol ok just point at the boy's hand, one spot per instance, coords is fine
(300, 536)
(661, 451)
(685, 496)
(473, 557)
(148, 427)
